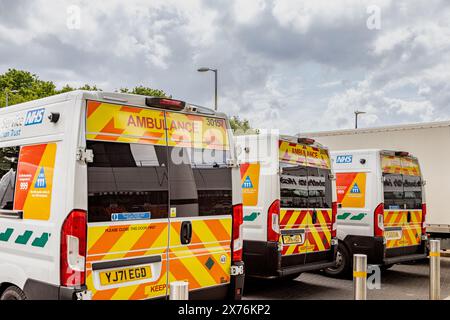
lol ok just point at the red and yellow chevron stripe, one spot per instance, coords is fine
(300, 154)
(317, 236)
(411, 232)
(118, 242)
(112, 122)
(206, 261)
(400, 165)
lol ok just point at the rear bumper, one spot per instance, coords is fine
(377, 253)
(37, 290)
(237, 284)
(262, 259)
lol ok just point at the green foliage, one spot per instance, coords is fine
(145, 91)
(23, 86)
(241, 126)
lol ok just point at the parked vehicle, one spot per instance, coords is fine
(381, 208)
(114, 196)
(430, 142)
(289, 202)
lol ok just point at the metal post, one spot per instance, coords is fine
(215, 83)
(356, 120)
(435, 269)
(360, 276)
(179, 290)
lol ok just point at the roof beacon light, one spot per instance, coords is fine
(165, 103)
(307, 141)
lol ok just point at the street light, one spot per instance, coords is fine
(7, 92)
(357, 113)
(215, 83)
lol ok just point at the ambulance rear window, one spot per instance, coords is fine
(200, 182)
(127, 181)
(8, 167)
(402, 191)
(305, 187)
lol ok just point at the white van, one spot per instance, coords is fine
(114, 196)
(382, 209)
(290, 206)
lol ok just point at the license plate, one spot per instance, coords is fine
(393, 235)
(292, 238)
(125, 275)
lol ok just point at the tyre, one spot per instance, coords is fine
(343, 266)
(13, 293)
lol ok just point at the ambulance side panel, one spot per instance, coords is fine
(261, 153)
(355, 216)
(30, 247)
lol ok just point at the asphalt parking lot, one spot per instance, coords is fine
(401, 282)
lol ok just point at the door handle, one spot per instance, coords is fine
(186, 232)
(314, 217)
(408, 217)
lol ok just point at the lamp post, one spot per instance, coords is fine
(357, 113)
(215, 83)
(7, 92)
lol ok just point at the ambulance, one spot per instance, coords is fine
(290, 207)
(111, 196)
(381, 210)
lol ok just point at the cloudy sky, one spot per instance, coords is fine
(293, 65)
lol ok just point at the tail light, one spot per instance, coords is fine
(424, 215)
(378, 217)
(273, 222)
(238, 219)
(333, 219)
(73, 249)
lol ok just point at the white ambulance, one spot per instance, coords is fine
(114, 196)
(290, 205)
(381, 208)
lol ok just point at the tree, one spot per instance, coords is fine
(28, 87)
(145, 91)
(23, 86)
(241, 126)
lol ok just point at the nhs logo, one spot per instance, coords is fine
(34, 117)
(344, 159)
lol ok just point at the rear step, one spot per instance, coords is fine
(405, 258)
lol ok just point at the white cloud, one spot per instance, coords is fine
(281, 62)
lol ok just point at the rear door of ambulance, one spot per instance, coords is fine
(128, 197)
(414, 216)
(320, 198)
(402, 187)
(293, 204)
(201, 204)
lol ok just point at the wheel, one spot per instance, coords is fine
(13, 293)
(343, 264)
